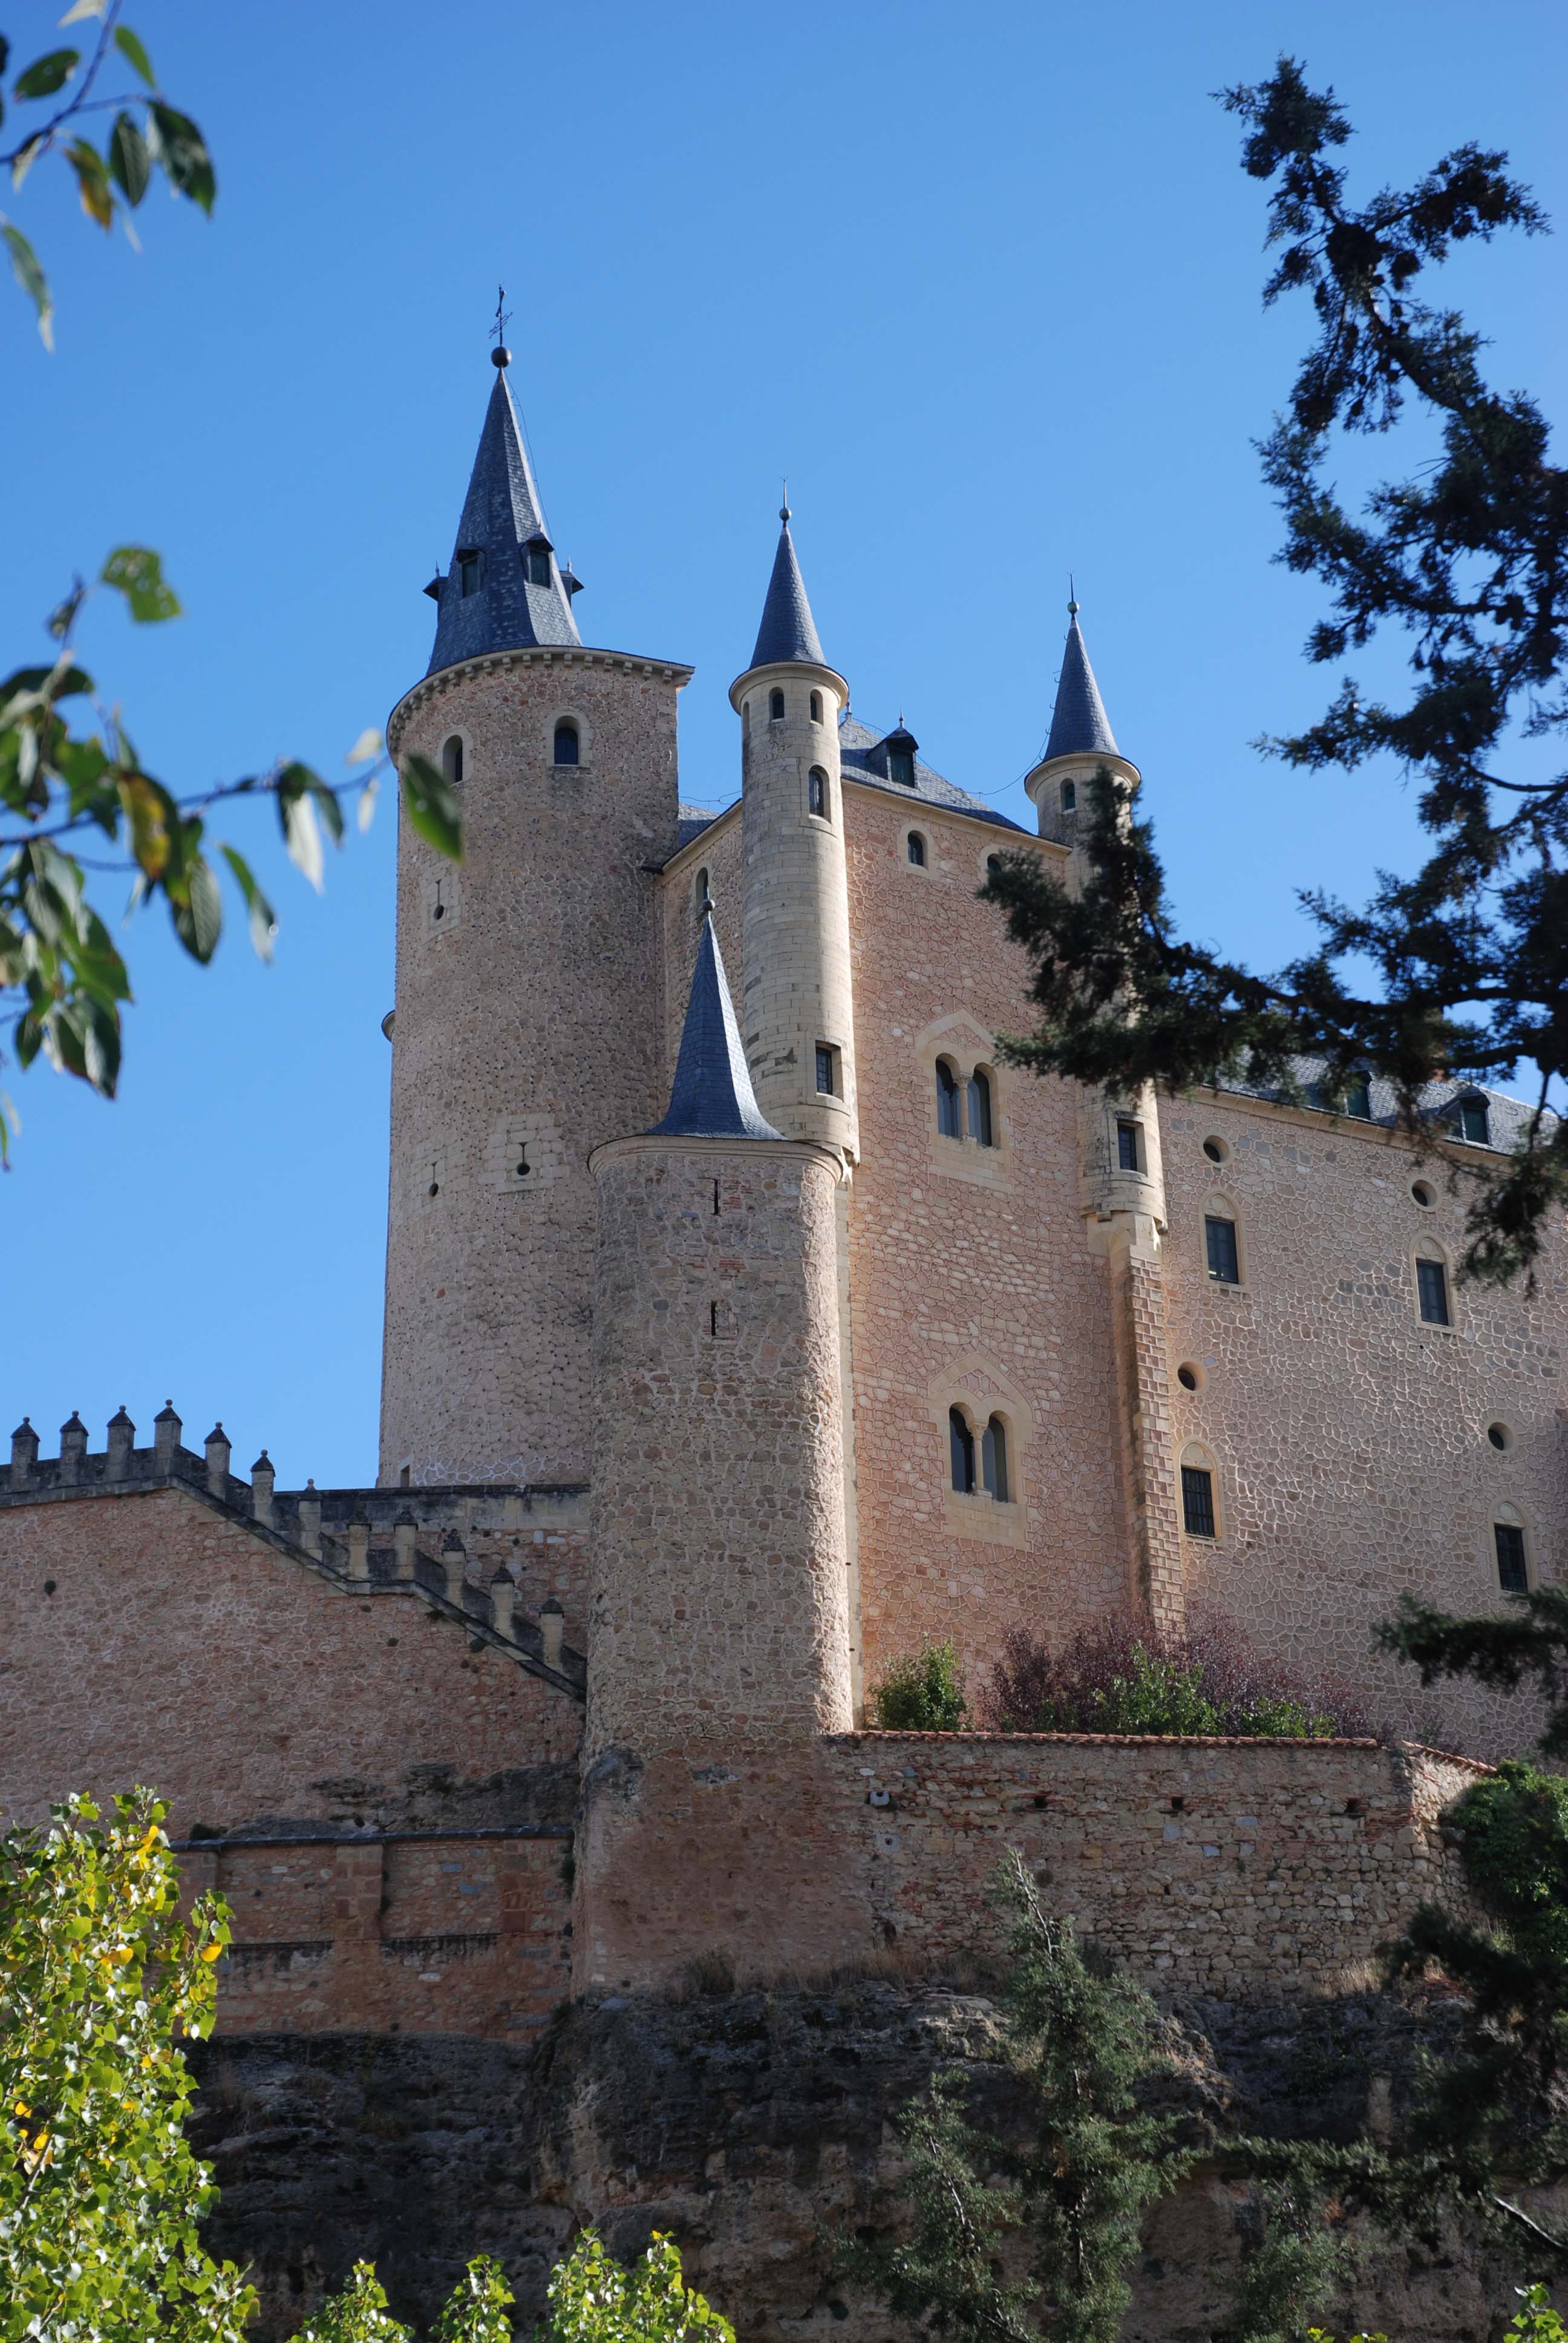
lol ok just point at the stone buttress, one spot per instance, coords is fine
(1121, 1187)
(528, 1021)
(717, 1634)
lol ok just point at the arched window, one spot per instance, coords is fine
(566, 742)
(452, 760)
(962, 1450)
(746, 716)
(993, 866)
(993, 1458)
(699, 889)
(775, 704)
(947, 1101)
(915, 850)
(816, 790)
(979, 1108)
(1068, 795)
(816, 707)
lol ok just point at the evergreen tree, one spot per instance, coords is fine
(1470, 558)
(1078, 2040)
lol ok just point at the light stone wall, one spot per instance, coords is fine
(528, 1030)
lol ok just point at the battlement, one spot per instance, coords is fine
(460, 1549)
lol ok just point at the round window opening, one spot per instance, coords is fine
(1215, 1150)
(1191, 1375)
(1501, 1437)
(1422, 1193)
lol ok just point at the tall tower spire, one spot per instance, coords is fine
(788, 631)
(1078, 724)
(504, 591)
(711, 1096)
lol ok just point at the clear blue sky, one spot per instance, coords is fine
(982, 279)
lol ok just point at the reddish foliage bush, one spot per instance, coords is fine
(1121, 1673)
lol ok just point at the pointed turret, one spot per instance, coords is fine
(505, 590)
(1078, 724)
(711, 1096)
(789, 632)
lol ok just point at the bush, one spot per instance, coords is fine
(1121, 1673)
(1515, 1854)
(922, 1694)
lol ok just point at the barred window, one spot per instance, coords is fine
(826, 1070)
(1128, 1154)
(1432, 1287)
(1198, 1501)
(962, 1450)
(1513, 1573)
(1219, 1238)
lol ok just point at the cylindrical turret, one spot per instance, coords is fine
(797, 1005)
(528, 1025)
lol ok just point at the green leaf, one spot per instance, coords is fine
(130, 47)
(263, 924)
(129, 159)
(182, 151)
(46, 74)
(30, 278)
(136, 572)
(368, 745)
(331, 812)
(432, 807)
(154, 821)
(198, 910)
(297, 814)
(92, 181)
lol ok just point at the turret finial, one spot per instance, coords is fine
(1072, 596)
(500, 356)
(784, 499)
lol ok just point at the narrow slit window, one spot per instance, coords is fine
(915, 850)
(826, 1070)
(993, 1458)
(775, 706)
(1128, 1154)
(567, 743)
(947, 1101)
(1068, 795)
(1198, 1501)
(816, 790)
(1513, 1571)
(816, 707)
(962, 1450)
(1220, 1240)
(452, 760)
(979, 1111)
(700, 890)
(1431, 1290)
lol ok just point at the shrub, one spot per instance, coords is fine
(1515, 1853)
(1121, 1673)
(924, 1693)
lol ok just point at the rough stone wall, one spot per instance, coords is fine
(718, 1633)
(1350, 1439)
(147, 1639)
(1134, 1265)
(971, 1275)
(1229, 1868)
(431, 1932)
(528, 1030)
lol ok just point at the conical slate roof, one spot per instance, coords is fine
(711, 1096)
(787, 630)
(501, 518)
(1078, 722)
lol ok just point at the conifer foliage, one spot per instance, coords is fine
(1468, 959)
(1078, 2038)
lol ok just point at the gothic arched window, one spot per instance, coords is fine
(962, 1450)
(816, 790)
(947, 1121)
(816, 707)
(915, 850)
(775, 705)
(566, 742)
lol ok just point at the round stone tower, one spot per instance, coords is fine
(797, 1007)
(527, 1026)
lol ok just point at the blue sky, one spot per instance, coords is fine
(982, 279)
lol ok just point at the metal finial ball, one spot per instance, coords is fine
(501, 355)
(784, 512)
(1073, 609)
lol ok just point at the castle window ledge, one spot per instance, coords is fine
(976, 1515)
(965, 1158)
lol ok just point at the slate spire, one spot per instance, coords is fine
(711, 1096)
(787, 630)
(516, 596)
(1078, 724)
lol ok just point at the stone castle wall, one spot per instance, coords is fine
(528, 1030)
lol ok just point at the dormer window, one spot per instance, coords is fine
(566, 742)
(1358, 1098)
(896, 755)
(1472, 1121)
(470, 572)
(775, 706)
(536, 568)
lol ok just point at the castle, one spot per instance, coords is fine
(749, 1320)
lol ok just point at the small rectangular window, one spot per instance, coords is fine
(1473, 1124)
(538, 567)
(1512, 1573)
(470, 572)
(1358, 1098)
(1128, 1154)
(1432, 1285)
(1220, 1237)
(1198, 1501)
(826, 1070)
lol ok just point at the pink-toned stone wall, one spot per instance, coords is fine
(1351, 1439)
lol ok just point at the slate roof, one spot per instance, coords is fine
(711, 1096)
(787, 630)
(1506, 1117)
(1079, 723)
(856, 741)
(500, 514)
